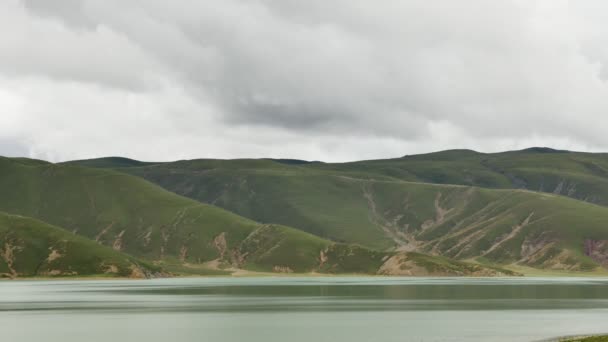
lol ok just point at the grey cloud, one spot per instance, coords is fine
(71, 11)
(416, 73)
(48, 45)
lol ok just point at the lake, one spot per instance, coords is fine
(299, 309)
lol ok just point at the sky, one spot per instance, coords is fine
(334, 80)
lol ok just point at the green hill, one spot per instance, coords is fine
(139, 218)
(582, 176)
(30, 247)
(109, 162)
(324, 204)
(379, 211)
(501, 208)
(134, 216)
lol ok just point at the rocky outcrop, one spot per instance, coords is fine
(597, 250)
(416, 264)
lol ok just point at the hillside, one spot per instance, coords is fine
(134, 216)
(381, 212)
(30, 247)
(139, 218)
(109, 162)
(582, 176)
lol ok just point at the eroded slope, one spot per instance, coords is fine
(497, 226)
(29, 247)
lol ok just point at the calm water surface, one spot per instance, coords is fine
(298, 309)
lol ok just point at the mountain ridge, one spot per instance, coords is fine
(538, 207)
(362, 202)
(131, 215)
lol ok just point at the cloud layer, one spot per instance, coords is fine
(338, 80)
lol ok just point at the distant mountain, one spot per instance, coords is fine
(293, 161)
(109, 162)
(583, 176)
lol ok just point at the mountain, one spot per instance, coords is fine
(131, 215)
(539, 207)
(109, 162)
(371, 203)
(583, 176)
(29, 247)
(134, 216)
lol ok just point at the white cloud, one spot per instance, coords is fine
(336, 80)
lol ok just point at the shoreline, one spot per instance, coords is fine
(578, 338)
(204, 271)
(254, 274)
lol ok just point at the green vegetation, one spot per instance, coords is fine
(109, 162)
(136, 217)
(139, 218)
(180, 269)
(29, 247)
(417, 263)
(582, 176)
(327, 205)
(341, 258)
(504, 209)
(496, 226)
(445, 265)
(537, 272)
(587, 339)
(389, 204)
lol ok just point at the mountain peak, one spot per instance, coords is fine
(542, 150)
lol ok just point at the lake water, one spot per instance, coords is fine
(318, 309)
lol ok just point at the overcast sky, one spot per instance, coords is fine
(330, 80)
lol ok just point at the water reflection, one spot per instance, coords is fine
(415, 308)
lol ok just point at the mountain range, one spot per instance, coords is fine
(455, 212)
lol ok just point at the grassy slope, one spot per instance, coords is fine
(586, 339)
(137, 217)
(109, 162)
(582, 176)
(325, 205)
(356, 206)
(29, 247)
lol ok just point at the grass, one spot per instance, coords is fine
(30, 248)
(582, 176)
(444, 266)
(136, 217)
(509, 208)
(375, 203)
(342, 258)
(536, 272)
(184, 270)
(109, 162)
(586, 339)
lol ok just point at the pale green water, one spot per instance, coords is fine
(298, 309)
